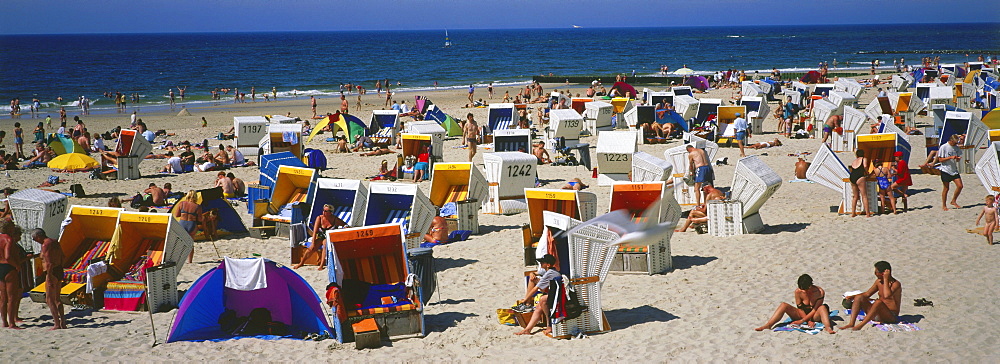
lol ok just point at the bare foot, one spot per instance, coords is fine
(762, 328)
(955, 205)
(848, 326)
(523, 333)
(297, 266)
(944, 208)
(321, 268)
(858, 327)
(15, 327)
(55, 328)
(830, 331)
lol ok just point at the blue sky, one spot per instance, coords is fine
(154, 16)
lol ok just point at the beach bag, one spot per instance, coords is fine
(52, 180)
(506, 317)
(573, 306)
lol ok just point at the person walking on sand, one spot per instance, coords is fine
(901, 181)
(53, 260)
(489, 89)
(312, 103)
(472, 92)
(948, 156)
(808, 309)
(990, 212)
(886, 308)
(471, 135)
(345, 107)
(742, 132)
(859, 183)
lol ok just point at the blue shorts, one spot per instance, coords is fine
(741, 136)
(703, 175)
(18, 140)
(421, 166)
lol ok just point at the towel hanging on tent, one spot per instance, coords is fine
(290, 137)
(245, 274)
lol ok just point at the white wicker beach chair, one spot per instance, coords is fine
(598, 115)
(507, 175)
(686, 106)
(590, 261)
(829, 171)
(648, 168)
(749, 88)
(988, 169)
(614, 155)
(753, 183)
(853, 122)
(636, 197)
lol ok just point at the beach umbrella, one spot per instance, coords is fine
(684, 71)
(322, 124)
(992, 119)
(62, 144)
(698, 82)
(624, 88)
(72, 162)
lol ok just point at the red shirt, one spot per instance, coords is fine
(423, 157)
(903, 174)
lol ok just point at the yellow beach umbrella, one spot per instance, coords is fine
(73, 161)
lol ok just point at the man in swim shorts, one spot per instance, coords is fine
(702, 170)
(885, 308)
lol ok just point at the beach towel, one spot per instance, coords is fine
(125, 295)
(817, 328)
(290, 137)
(245, 274)
(805, 180)
(901, 326)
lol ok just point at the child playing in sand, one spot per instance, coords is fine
(990, 211)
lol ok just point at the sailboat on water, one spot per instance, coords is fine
(447, 42)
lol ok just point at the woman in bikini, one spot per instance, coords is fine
(809, 307)
(859, 181)
(324, 222)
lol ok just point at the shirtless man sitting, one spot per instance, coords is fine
(886, 306)
(773, 143)
(542, 154)
(438, 233)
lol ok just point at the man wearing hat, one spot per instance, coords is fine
(547, 262)
(742, 132)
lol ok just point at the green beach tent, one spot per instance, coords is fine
(62, 144)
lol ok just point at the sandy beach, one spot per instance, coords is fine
(705, 309)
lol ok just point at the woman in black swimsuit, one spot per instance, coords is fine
(859, 181)
(324, 222)
(11, 257)
(809, 307)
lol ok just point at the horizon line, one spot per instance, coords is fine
(571, 26)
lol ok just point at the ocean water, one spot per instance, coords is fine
(316, 63)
